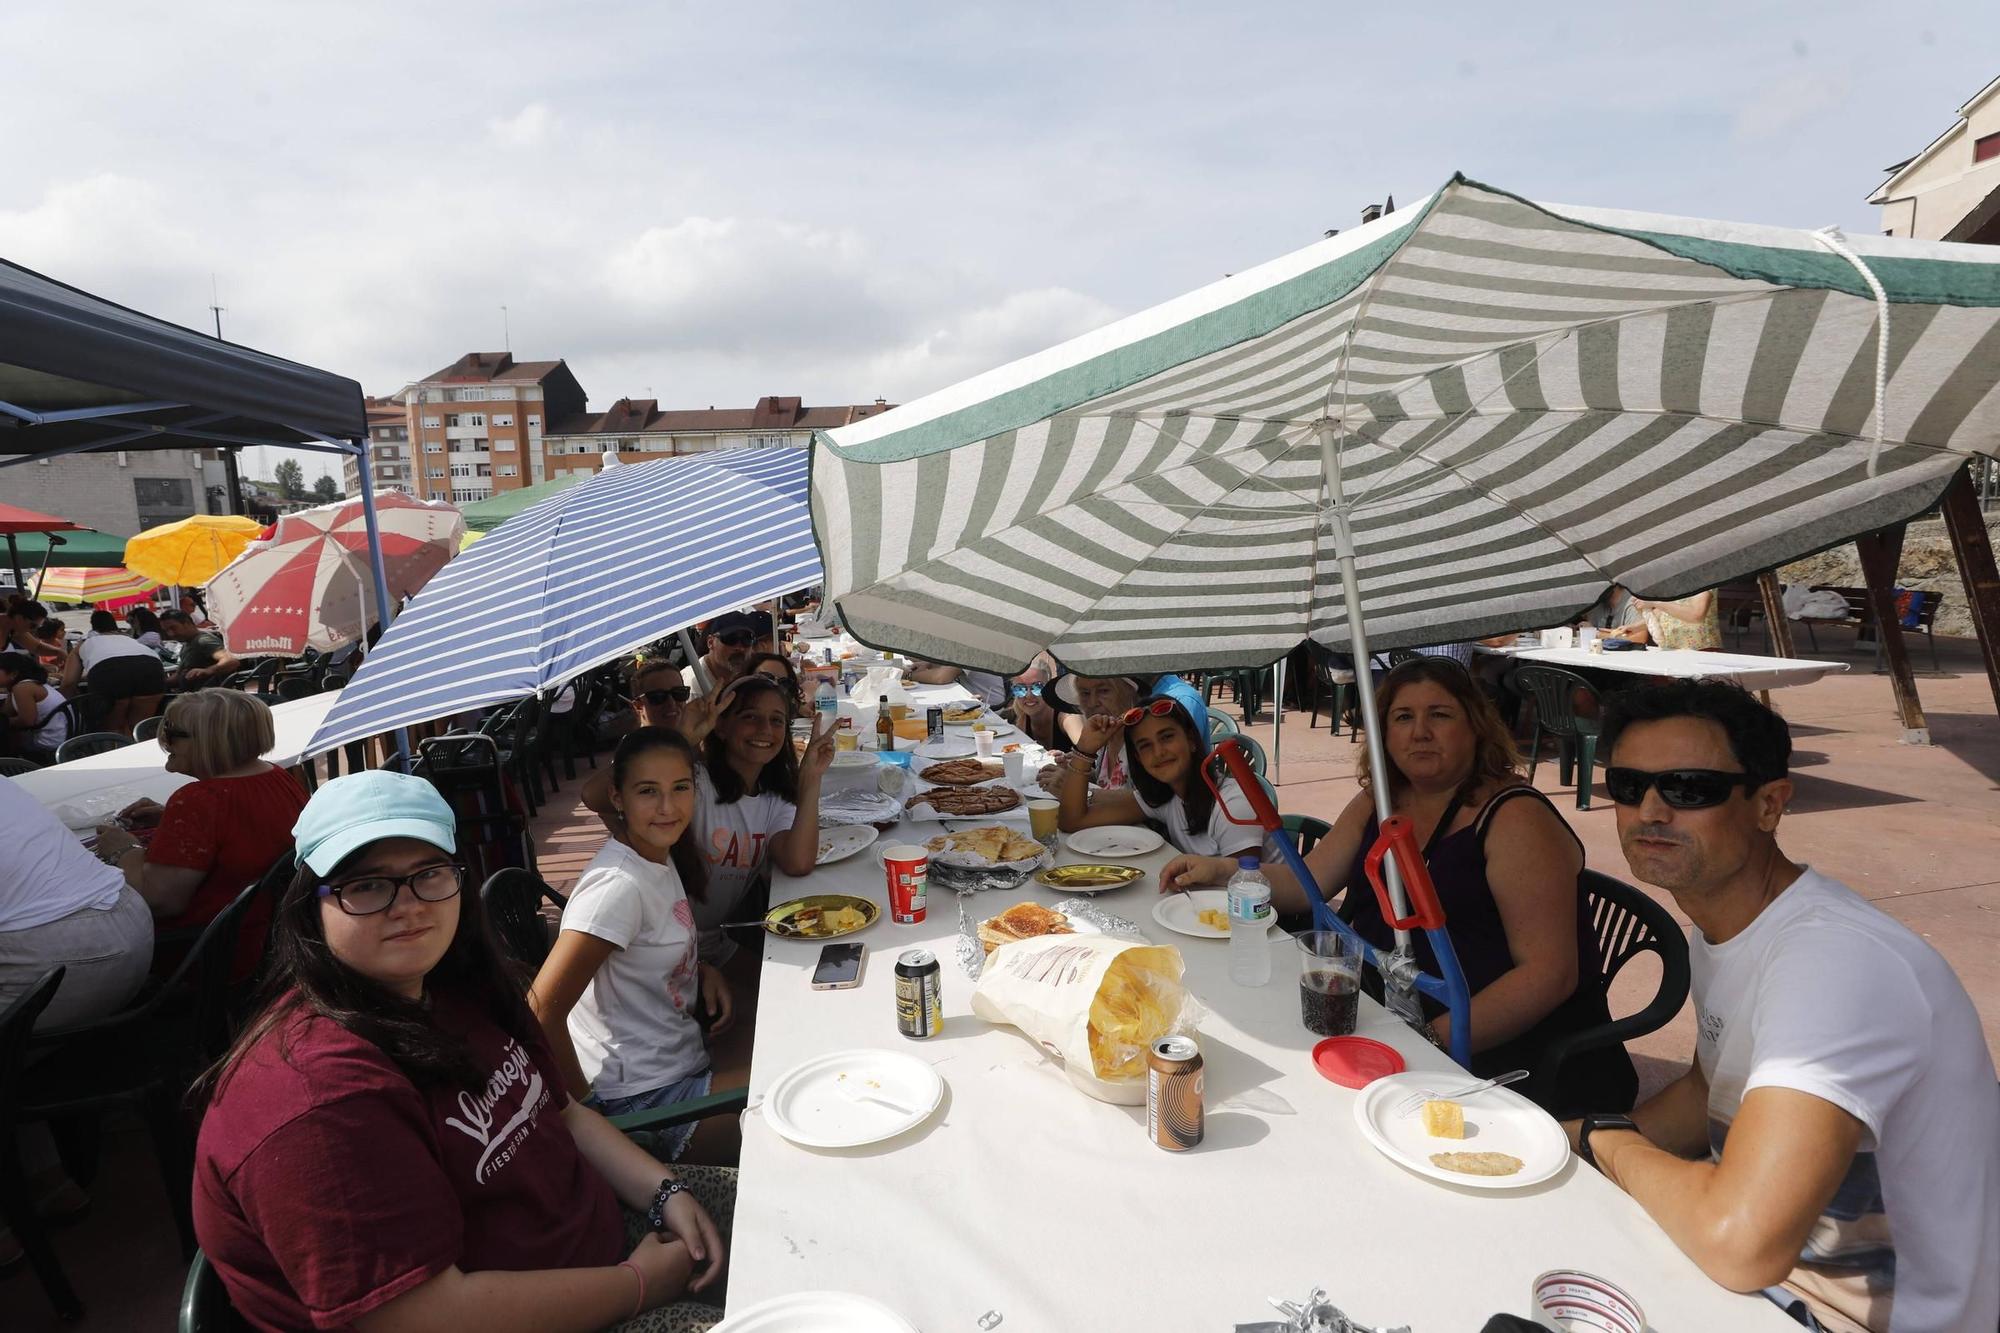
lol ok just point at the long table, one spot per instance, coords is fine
(1023, 1196)
(1745, 669)
(103, 784)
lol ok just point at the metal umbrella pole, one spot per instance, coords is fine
(384, 610)
(1277, 717)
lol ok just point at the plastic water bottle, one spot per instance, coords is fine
(826, 702)
(1249, 923)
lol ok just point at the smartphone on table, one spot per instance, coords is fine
(839, 967)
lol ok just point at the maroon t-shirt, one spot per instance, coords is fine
(326, 1184)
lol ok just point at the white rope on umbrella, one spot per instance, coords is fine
(1831, 238)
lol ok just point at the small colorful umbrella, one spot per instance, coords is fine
(309, 586)
(16, 521)
(107, 588)
(190, 551)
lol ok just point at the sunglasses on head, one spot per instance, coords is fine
(738, 638)
(1681, 788)
(1157, 708)
(680, 694)
(1023, 691)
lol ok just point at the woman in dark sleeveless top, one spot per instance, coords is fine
(1507, 871)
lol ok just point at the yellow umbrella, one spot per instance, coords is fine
(191, 551)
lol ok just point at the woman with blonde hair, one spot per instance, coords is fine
(218, 834)
(1508, 874)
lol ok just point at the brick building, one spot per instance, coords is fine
(388, 448)
(476, 426)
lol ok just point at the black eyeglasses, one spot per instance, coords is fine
(1023, 691)
(738, 638)
(680, 694)
(1681, 788)
(168, 735)
(377, 893)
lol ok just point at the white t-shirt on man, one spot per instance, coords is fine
(1827, 995)
(45, 873)
(1218, 836)
(632, 1027)
(736, 839)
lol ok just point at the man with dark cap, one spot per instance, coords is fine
(732, 637)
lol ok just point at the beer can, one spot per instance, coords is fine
(1173, 1092)
(919, 994)
(934, 723)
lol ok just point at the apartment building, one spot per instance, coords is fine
(390, 462)
(1951, 190)
(637, 429)
(477, 426)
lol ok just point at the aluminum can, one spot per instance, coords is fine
(1173, 1093)
(934, 723)
(919, 994)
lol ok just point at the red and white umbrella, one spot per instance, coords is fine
(308, 584)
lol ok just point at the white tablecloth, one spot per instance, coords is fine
(1747, 670)
(1023, 1196)
(90, 790)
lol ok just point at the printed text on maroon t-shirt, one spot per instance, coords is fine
(478, 1109)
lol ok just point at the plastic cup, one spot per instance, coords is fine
(983, 742)
(1042, 818)
(1329, 982)
(1016, 765)
(846, 739)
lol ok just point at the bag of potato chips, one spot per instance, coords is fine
(1094, 1002)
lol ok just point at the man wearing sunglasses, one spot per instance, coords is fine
(1836, 1143)
(732, 637)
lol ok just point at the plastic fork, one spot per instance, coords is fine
(854, 1092)
(1413, 1103)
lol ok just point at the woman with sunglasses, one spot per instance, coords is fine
(1165, 754)
(618, 993)
(1029, 708)
(388, 1144)
(1507, 870)
(218, 834)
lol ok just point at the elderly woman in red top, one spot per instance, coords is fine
(388, 1145)
(217, 835)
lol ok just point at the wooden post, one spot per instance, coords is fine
(1880, 552)
(1774, 615)
(1973, 547)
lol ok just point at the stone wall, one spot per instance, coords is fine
(1927, 563)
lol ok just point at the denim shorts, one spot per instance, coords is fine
(674, 1137)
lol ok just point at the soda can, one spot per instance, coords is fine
(919, 994)
(934, 723)
(1173, 1093)
(908, 869)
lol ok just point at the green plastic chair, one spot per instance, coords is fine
(1251, 749)
(1555, 694)
(1306, 831)
(1221, 726)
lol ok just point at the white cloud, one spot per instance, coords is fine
(529, 127)
(1791, 102)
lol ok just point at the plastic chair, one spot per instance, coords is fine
(1246, 684)
(1306, 831)
(513, 902)
(90, 743)
(1253, 751)
(1626, 923)
(1329, 679)
(1220, 726)
(205, 1304)
(1555, 694)
(144, 1057)
(11, 767)
(17, 1205)
(146, 728)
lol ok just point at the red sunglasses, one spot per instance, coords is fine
(1158, 708)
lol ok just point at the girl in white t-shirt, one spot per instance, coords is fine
(756, 806)
(619, 991)
(1164, 754)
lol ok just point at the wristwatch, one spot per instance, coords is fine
(656, 1216)
(1593, 1123)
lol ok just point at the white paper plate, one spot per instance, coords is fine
(817, 1312)
(1114, 842)
(807, 1106)
(1177, 914)
(851, 760)
(949, 747)
(837, 844)
(1498, 1120)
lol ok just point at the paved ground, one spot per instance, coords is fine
(1916, 829)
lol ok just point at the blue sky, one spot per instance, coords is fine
(707, 203)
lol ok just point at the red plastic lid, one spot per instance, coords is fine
(1355, 1062)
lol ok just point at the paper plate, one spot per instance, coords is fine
(1178, 914)
(808, 1106)
(1088, 878)
(1497, 1120)
(816, 1312)
(1114, 841)
(837, 844)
